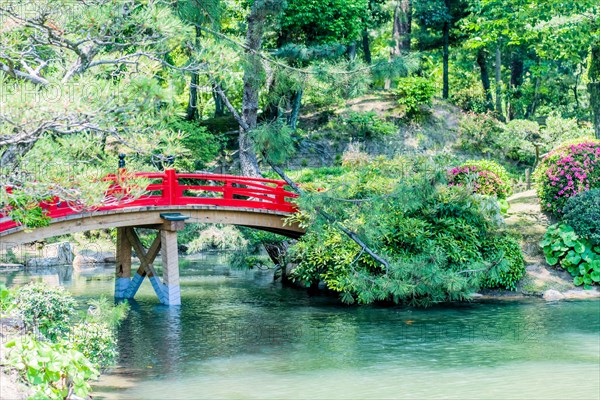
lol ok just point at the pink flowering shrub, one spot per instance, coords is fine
(566, 171)
(486, 178)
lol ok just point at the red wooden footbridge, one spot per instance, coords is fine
(170, 200)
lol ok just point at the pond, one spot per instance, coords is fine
(239, 335)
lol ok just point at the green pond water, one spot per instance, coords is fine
(238, 335)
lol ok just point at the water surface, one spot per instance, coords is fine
(238, 335)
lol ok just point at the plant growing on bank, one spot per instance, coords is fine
(442, 242)
(49, 309)
(565, 172)
(53, 369)
(562, 246)
(60, 353)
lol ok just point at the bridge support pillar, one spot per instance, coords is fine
(123, 267)
(170, 260)
(168, 291)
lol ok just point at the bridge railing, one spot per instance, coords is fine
(170, 188)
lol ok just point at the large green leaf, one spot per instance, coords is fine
(551, 260)
(573, 258)
(579, 247)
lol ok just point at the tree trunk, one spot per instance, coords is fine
(594, 89)
(352, 51)
(401, 31)
(277, 253)
(252, 84)
(499, 83)
(594, 86)
(446, 55)
(295, 113)
(191, 113)
(366, 45)
(485, 77)
(219, 106)
(516, 80)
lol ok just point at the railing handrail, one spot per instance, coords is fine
(252, 193)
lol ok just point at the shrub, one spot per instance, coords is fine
(479, 133)
(518, 140)
(365, 125)
(558, 130)
(96, 341)
(470, 98)
(441, 242)
(486, 178)
(562, 246)
(582, 212)
(566, 171)
(50, 309)
(505, 250)
(414, 92)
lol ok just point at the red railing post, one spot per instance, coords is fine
(227, 190)
(279, 195)
(170, 187)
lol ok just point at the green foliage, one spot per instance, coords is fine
(516, 140)
(106, 312)
(469, 98)
(60, 355)
(582, 213)
(558, 130)
(48, 309)
(364, 125)
(441, 242)
(565, 172)
(256, 238)
(519, 139)
(485, 177)
(562, 246)
(6, 298)
(96, 341)
(505, 250)
(479, 134)
(203, 146)
(329, 21)
(25, 210)
(275, 140)
(52, 369)
(414, 92)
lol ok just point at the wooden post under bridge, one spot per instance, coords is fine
(126, 286)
